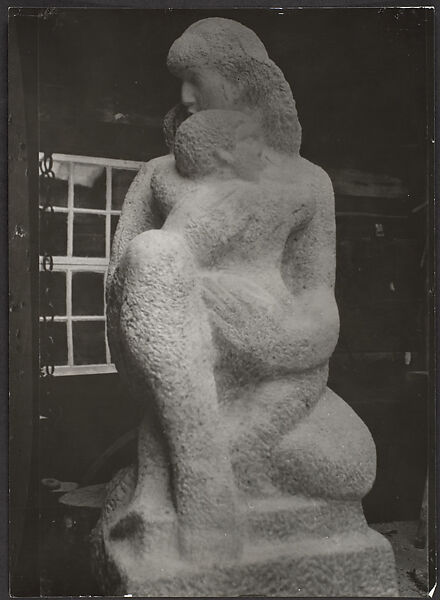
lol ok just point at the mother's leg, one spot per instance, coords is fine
(166, 339)
(330, 454)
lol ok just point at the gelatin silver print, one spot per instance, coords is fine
(221, 257)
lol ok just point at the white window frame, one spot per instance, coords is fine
(69, 264)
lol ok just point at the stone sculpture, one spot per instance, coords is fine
(221, 322)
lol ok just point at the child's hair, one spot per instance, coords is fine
(201, 138)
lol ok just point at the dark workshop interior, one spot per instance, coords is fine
(361, 79)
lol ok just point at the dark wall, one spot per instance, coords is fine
(362, 82)
(359, 78)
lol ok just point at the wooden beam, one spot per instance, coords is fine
(23, 319)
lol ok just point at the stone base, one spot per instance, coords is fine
(350, 565)
(293, 547)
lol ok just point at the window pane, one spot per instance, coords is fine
(87, 293)
(121, 180)
(53, 353)
(53, 233)
(89, 186)
(89, 235)
(55, 283)
(55, 189)
(114, 223)
(89, 342)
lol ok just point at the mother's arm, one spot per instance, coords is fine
(138, 214)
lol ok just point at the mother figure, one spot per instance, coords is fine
(221, 310)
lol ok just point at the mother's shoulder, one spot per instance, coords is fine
(315, 175)
(297, 169)
(307, 166)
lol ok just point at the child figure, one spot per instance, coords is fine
(235, 204)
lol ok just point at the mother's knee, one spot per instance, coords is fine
(331, 454)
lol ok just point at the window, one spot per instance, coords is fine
(87, 195)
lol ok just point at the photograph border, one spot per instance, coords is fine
(21, 120)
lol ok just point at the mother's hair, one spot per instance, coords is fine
(237, 54)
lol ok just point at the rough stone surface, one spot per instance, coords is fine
(221, 322)
(349, 565)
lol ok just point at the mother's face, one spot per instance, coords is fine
(206, 89)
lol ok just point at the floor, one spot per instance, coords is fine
(411, 562)
(65, 565)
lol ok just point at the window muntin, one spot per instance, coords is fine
(87, 195)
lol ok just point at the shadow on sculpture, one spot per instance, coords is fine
(221, 322)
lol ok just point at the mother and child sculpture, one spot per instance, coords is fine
(221, 321)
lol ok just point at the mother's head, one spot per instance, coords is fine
(223, 64)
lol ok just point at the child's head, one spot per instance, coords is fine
(224, 143)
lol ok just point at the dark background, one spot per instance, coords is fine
(362, 80)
